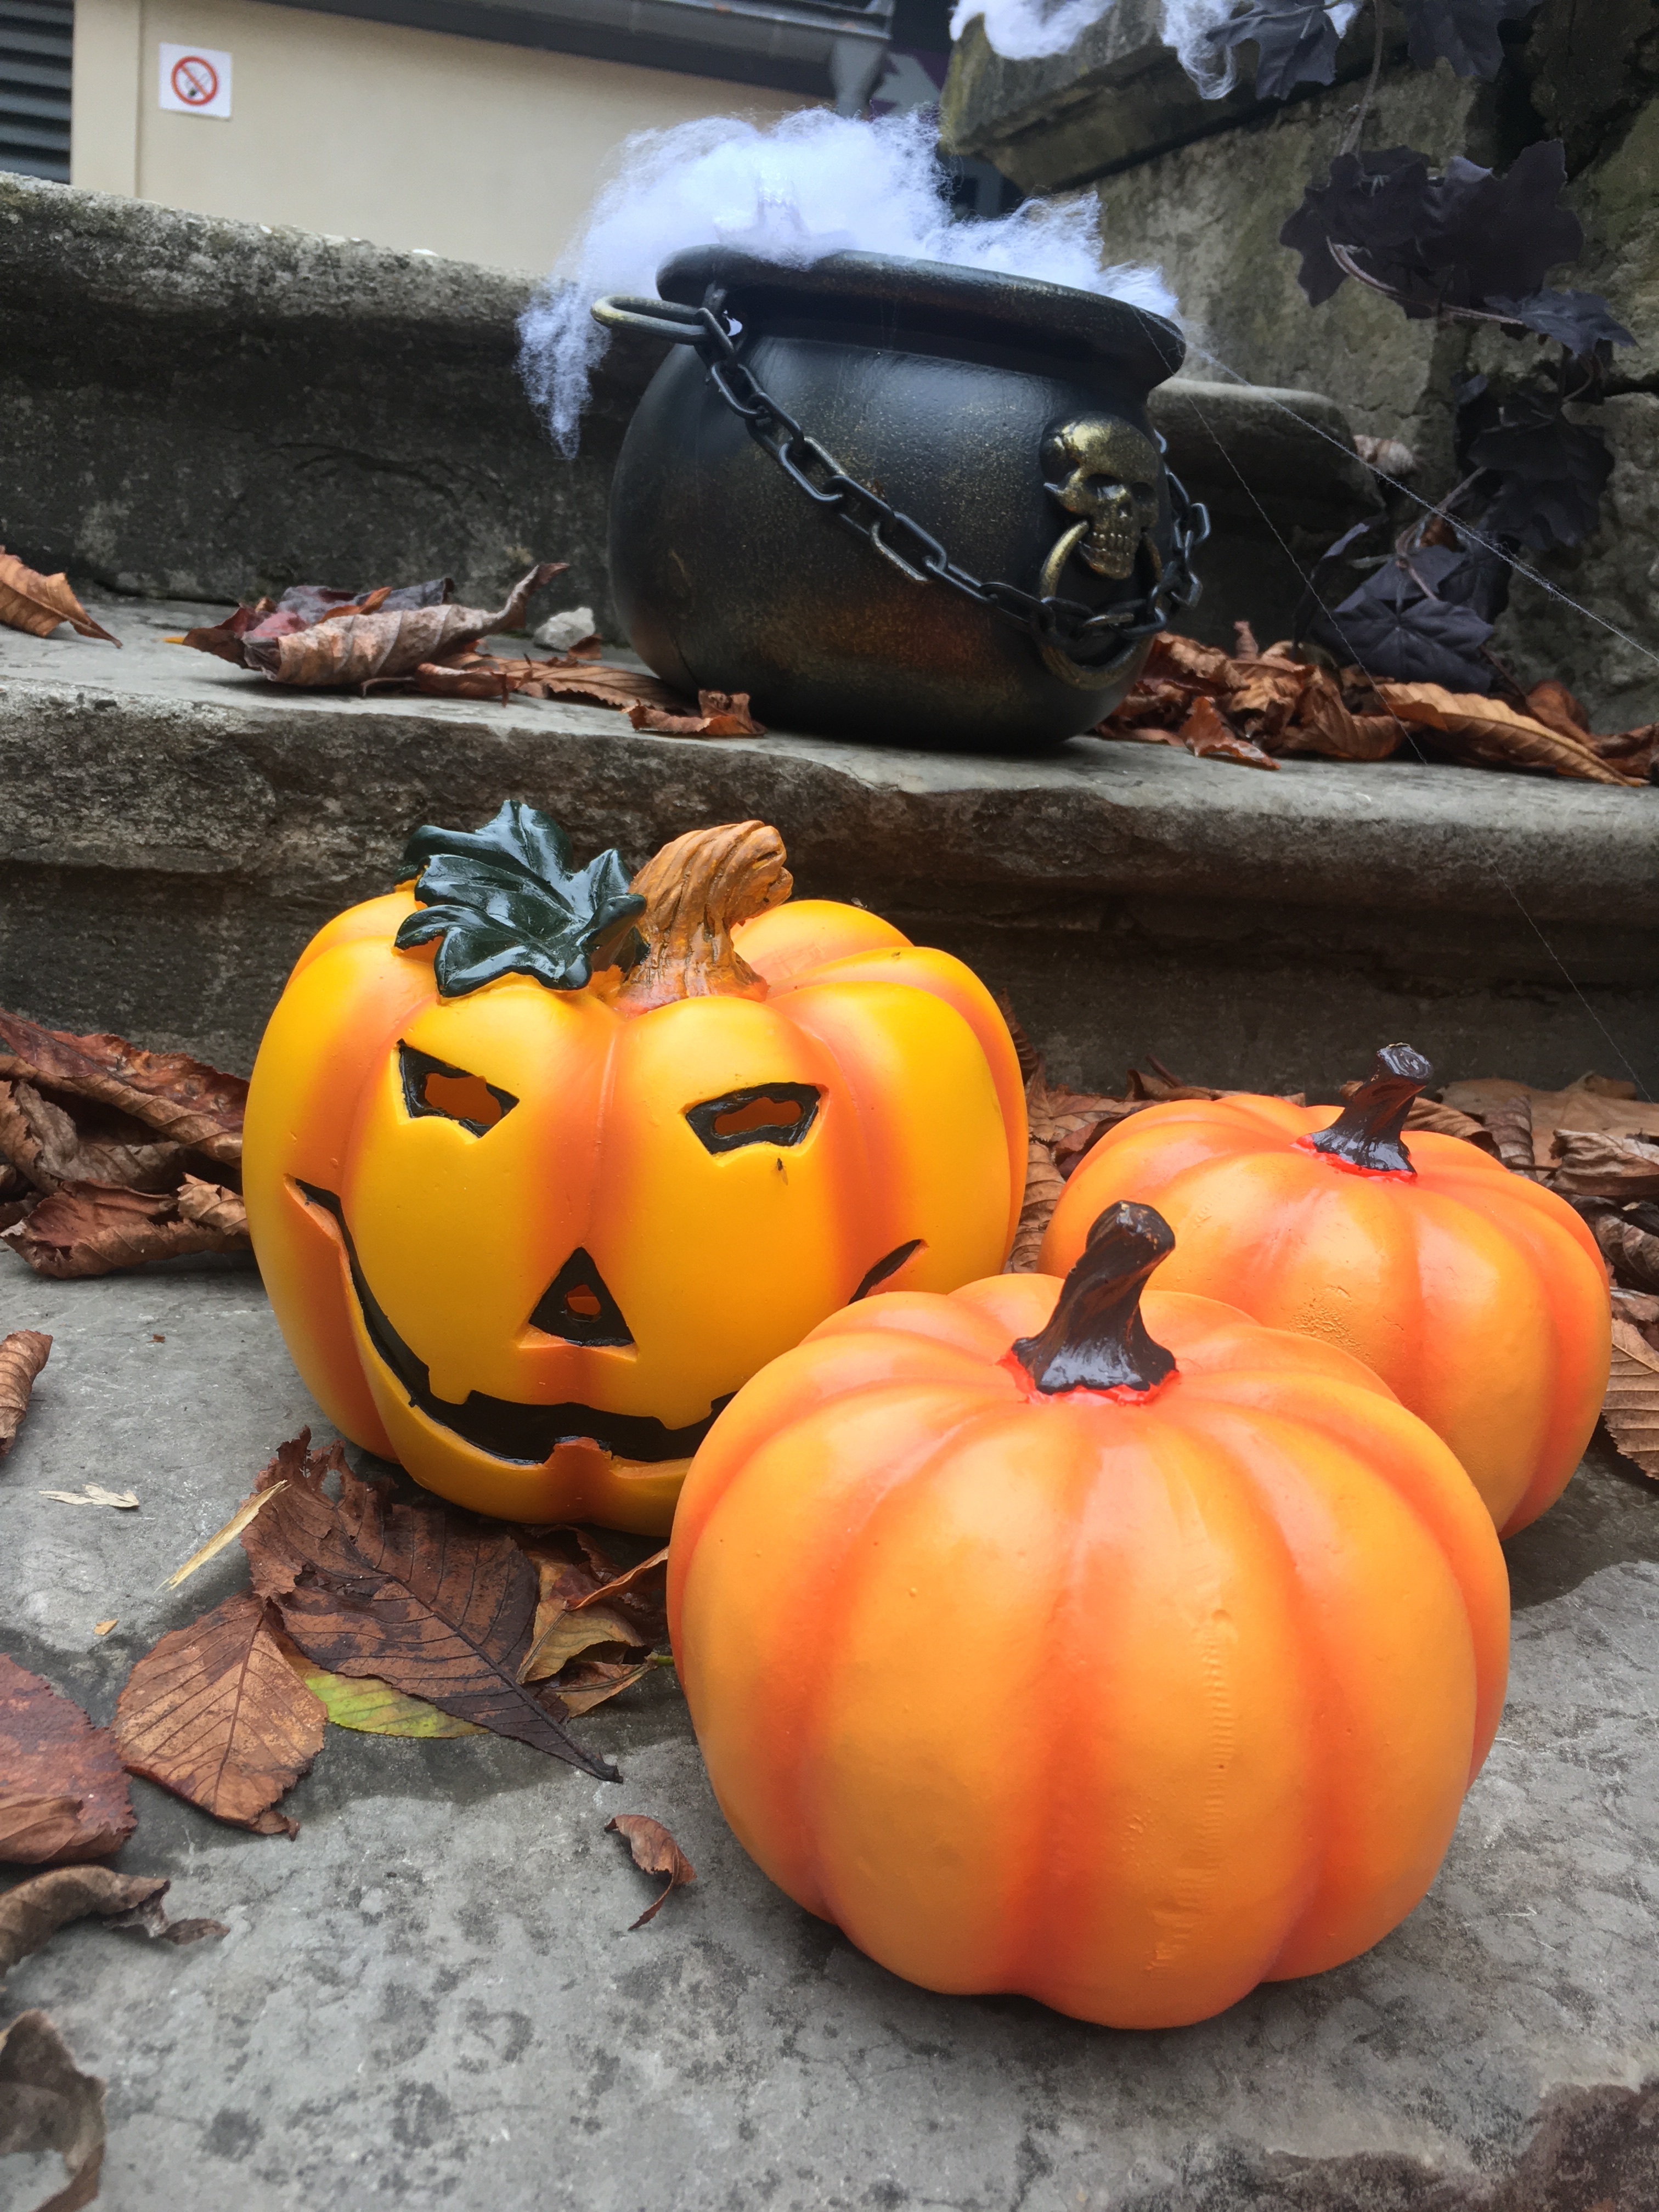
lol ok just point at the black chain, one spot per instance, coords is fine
(1067, 626)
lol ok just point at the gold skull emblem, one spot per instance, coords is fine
(1103, 470)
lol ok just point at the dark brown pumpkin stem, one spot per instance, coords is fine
(1097, 1339)
(1368, 1135)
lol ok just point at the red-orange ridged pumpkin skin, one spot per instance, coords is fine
(1478, 1297)
(1123, 1703)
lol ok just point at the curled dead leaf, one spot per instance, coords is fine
(32, 1911)
(1208, 735)
(46, 2103)
(1485, 731)
(719, 714)
(1631, 1250)
(41, 605)
(94, 1228)
(23, 1353)
(94, 1493)
(1603, 1163)
(654, 1851)
(52, 1756)
(41, 1141)
(215, 1713)
(356, 647)
(1631, 1410)
(1043, 1185)
(1593, 1101)
(182, 1099)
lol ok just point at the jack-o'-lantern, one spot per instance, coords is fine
(1480, 1297)
(1124, 1658)
(540, 1168)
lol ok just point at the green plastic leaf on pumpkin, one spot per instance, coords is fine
(505, 900)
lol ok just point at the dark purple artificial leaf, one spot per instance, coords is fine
(1449, 241)
(1550, 473)
(1463, 32)
(1296, 43)
(1581, 321)
(1395, 629)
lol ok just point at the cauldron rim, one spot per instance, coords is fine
(985, 302)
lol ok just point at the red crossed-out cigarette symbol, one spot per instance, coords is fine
(195, 80)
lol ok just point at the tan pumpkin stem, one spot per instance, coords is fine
(696, 890)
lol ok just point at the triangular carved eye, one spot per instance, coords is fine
(433, 1086)
(765, 1113)
(577, 1305)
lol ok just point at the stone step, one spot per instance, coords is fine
(172, 829)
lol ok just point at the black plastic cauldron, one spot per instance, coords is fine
(898, 499)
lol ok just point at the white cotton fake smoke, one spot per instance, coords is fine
(812, 185)
(1029, 30)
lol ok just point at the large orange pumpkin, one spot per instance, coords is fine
(1044, 1654)
(540, 1167)
(1478, 1297)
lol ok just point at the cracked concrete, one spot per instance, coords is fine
(430, 1997)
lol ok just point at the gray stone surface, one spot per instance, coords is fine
(430, 1997)
(173, 829)
(204, 408)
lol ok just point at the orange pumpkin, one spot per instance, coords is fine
(1478, 1297)
(539, 1167)
(1044, 1656)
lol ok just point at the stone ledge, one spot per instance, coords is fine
(173, 829)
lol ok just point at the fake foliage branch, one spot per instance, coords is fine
(505, 900)
(1461, 245)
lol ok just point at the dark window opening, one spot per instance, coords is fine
(37, 51)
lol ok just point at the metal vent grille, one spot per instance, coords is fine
(37, 41)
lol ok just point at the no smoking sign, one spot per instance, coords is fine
(196, 80)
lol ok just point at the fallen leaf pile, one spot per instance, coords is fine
(388, 1616)
(1253, 708)
(23, 1353)
(411, 638)
(110, 1155)
(1596, 1144)
(39, 604)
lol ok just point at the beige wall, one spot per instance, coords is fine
(487, 152)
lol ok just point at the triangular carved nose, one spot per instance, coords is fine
(577, 1305)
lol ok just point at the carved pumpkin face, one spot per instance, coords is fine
(528, 1235)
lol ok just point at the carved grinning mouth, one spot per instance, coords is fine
(524, 1435)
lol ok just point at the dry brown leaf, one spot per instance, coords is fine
(216, 1542)
(39, 604)
(22, 1355)
(215, 1713)
(211, 1207)
(1043, 1185)
(1595, 1163)
(1631, 1409)
(439, 680)
(1485, 731)
(1179, 660)
(1160, 703)
(569, 1633)
(1025, 1050)
(32, 1911)
(1630, 1250)
(1207, 734)
(589, 1682)
(94, 1493)
(40, 1140)
(1640, 1308)
(103, 1627)
(434, 1602)
(654, 1851)
(1593, 1101)
(51, 1754)
(362, 646)
(46, 2103)
(1324, 725)
(719, 714)
(94, 1228)
(182, 1099)
(1245, 646)
(1551, 703)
